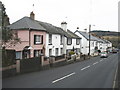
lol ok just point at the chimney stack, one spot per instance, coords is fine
(64, 26)
(32, 15)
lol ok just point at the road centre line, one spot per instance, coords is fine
(85, 67)
(95, 63)
(63, 77)
(74, 72)
(101, 60)
(115, 76)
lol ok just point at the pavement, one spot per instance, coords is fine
(93, 73)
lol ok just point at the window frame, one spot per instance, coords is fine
(38, 39)
(61, 40)
(50, 39)
(77, 41)
(39, 52)
(50, 54)
(61, 51)
(69, 39)
(19, 54)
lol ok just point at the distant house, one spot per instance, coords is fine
(106, 45)
(109, 44)
(41, 38)
(96, 44)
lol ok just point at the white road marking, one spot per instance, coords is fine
(85, 67)
(101, 60)
(63, 77)
(114, 81)
(95, 63)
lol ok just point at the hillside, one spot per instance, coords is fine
(114, 37)
(105, 33)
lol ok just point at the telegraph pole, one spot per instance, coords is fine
(89, 39)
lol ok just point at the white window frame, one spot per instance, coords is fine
(38, 39)
(69, 41)
(77, 41)
(50, 38)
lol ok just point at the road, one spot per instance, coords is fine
(93, 73)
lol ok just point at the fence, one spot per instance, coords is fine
(34, 64)
(59, 57)
(30, 64)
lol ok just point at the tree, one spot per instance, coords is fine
(9, 37)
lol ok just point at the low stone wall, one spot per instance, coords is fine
(41, 63)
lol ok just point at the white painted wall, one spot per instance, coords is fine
(55, 44)
(70, 47)
(73, 44)
(84, 44)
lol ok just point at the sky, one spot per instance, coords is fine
(101, 14)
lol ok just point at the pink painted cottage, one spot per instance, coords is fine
(32, 36)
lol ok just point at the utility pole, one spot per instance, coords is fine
(89, 39)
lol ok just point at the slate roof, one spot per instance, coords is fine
(26, 23)
(106, 41)
(86, 35)
(30, 24)
(73, 35)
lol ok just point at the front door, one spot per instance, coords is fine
(26, 54)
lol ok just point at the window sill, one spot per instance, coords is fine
(38, 44)
(69, 44)
(50, 44)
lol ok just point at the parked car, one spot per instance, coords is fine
(114, 51)
(103, 54)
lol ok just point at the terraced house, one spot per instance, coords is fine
(95, 43)
(41, 38)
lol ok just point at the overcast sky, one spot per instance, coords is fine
(101, 14)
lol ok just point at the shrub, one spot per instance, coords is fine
(71, 53)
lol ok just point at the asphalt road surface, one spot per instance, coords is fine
(93, 73)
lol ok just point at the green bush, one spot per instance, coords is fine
(71, 53)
